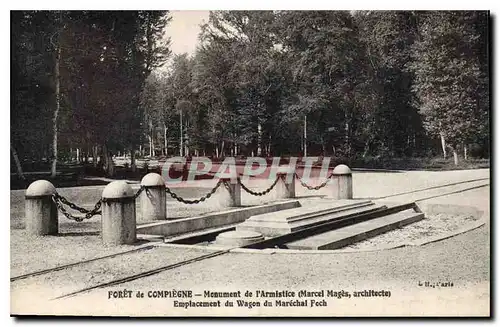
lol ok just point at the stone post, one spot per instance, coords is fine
(289, 185)
(153, 198)
(234, 191)
(118, 223)
(342, 182)
(41, 211)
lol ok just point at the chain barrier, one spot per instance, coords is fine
(180, 199)
(60, 201)
(314, 187)
(259, 193)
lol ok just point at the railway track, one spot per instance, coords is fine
(46, 271)
(270, 242)
(432, 188)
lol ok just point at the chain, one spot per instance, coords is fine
(314, 187)
(139, 192)
(258, 193)
(180, 199)
(59, 201)
(70, 204)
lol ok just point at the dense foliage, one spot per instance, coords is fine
(332, 83)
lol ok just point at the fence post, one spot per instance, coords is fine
(118, 223)
(289, 184)
(234, 191)
(41, 211)
(153, 198)
(342, 182)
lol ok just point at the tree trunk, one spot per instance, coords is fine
(153, 144)
(323, 147)
(222, 149)
(94, 156)
(18, 163)
(109, 165)
(347, 139)
(165, 139)
(216, 151)
(455, 156)
(443, 144)
(259, 139)
(181, 137)
(305, 136)
(56, 113)
(133, 165)
(150, 139)
(366, 148)
(465, 152)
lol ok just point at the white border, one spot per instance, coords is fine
(190, 5)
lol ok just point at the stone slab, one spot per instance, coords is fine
(238, 238)
(186, 225)
(305, 212)
(277, 227)
(358, 232)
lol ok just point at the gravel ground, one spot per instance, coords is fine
(433, 225)
(29, 254)
(90, 274)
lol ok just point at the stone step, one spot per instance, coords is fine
(304, 213)
(358, 232)
(279, 227)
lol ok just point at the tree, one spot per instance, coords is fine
(32, 66)
(215, 91)
(450, 81)
(330, 74)
(395, 124)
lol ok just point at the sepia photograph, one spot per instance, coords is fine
(250, 163)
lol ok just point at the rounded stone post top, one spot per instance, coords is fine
(342, 170)
(40, 188)
(153, 179)
(117, 190)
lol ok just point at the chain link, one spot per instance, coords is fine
(258, 193)
(136, 195)
(314, 187)
(70, 204)
(180, 199)
(60, 200)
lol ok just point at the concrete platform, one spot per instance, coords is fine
(287, 221)
(358, 232)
